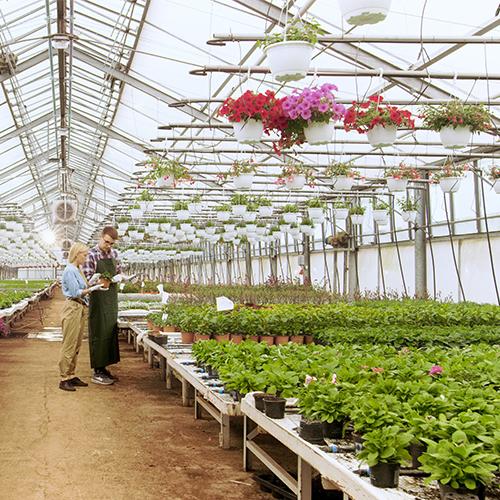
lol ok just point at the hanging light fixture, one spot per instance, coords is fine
(60, 41)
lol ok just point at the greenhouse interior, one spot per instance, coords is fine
(260, 242)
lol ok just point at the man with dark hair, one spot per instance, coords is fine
(103, 309)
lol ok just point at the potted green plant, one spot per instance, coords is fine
(384, 450)
(290, 213)
(342, 174)
(456, 121)
(360, 12)
(341, 209)
(105, 279)
(223, 212)
(357, 214)
(409, 209)
(195, 204)
(310, 428)
(307, 226)
(397, 178)
(265, 206)
(380, 212)
(294, 175)
(243, 173)
(239, 204)
(145, 201)
(316, 209)
(123, 223)
(494, 176)
(181, 209)
(289, 52)
(166, 172)
(136, 211)
(251, 213)
(450, 176)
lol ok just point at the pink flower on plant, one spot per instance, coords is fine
(334, 378)
(435, 370)
(309, 379)
(376, 369)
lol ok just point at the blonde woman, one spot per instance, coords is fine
(74, 316)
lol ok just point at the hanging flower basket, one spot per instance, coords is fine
(409, 216)
(266, 211)
(360, 12)
(146, 206)
(496, 186)
(316, 214)
(182, 214)
(494, 176)
(450, 184)
(248, 131)
(357, 218)
(290, 217)
(243, 181)
(343, 183)
(223, 215)
(295, 182)
(380, 136)
(319, 133)
(289, 61)
(136, 213)
(455, 138)
(381, 217)
(165, 181)
(450, 177)
(307, 229)
(341, 213)
(249, 216)
(195, 208)
(397, 178)
(396, 185)
(239, 210)
(165, 172)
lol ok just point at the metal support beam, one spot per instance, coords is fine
(307, 260)
(420, 246)
(30, 63)
(248, 265)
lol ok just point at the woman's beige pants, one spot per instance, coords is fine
(74, 325)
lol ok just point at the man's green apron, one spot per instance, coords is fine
(103, 317)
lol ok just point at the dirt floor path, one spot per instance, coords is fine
(132, 440)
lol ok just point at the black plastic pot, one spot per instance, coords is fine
(274, 407)
(212, 372)
(311, 431)
(446, 492)
(358, 441)
(385, 475)
(416, 449)
(333, 430)
(259, 400)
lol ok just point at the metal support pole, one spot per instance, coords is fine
(307, 260)
(420, 247)
(273, 260)
(477, 199)
(248, 264)
(229, 261)
(353, 275)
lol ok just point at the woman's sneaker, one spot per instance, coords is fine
(100, 378)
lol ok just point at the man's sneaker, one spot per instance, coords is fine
(66, 385)
(78, 382)
(100, 378)
(108, 374)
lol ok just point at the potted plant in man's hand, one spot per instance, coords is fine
(105, 279)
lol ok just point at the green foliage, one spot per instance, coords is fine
(180, 205)
(385, 445)
(239, 199)
(296, 30)
(290, 209)
(357, 210)
(408, 205)
(316, 203)
(340, 169)
(145, 196)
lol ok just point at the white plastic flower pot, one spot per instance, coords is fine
(450, 184)
(277, 235)
(266, 211)
(316, 214)
(308, 230)
(249, 216)
(409, 215)
(122, 226)
(252, 228)
(241, 231)
(341, 213)
(294, 231)
(249, 131)
(380, 137)
(164, 226)
(239, 210)
(153, 227)
(229, 228)
(146, 206)
(319, 133)
(165, 181)
(136, 213)
(228, 236)
(496, 186)
(455, 138)
(133, 234)
(359, 12)
(187, 227)
(396, 185)
(195, 208)
(284, 228)
(289, 61)
(223, 215)
(290, 217)
(343, 183)
(261, 231)
(295, 182)
(381, 217)
(140, 235)
(357, 219)
(243, 181)
(182, 214)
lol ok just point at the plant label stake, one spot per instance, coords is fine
(164, 316)
(122, 286)
(160, 287)
(224, 304)
(165, 297)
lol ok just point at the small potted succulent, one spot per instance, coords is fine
(397, 178)
(360, 12)
(495, 178)
(239, 204)
(166, 172)
(145, 201)
(265, 206)
(313, 112)
(289, 53)
(181, 209)
(248, 114)
(316, 209)
(456, 121)
(380, 122)
(307, 226)
(342, 174)
(243, 172)
(380, 212)
(341, 209)
(357, 214)
(294, 175)
(409, 209)
(384, 450)
(223, 212)
(290, 213)
(450, 177)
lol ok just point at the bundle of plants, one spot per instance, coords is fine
(9, 298)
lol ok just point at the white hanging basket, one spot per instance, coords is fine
(396, 185)
(496, 186)
(136, 213)
(290, 217)
(357, 219)
(230, 228)
(249, 216)
(455, 138)
(122, 226)
(450, 184)
(343, 183)
(381, 217)
(289, 61)
(243, 181)
(182, 214)
(146, 206)
(249, 131)
(210, 230)
(165, 181)
(195, 208)
(316, 214)
(223, 215)
(266, 211)
(295, 182)
(380, 137)
(409, 215)
(239, 210)
(341, 213)
(261, 231)
(319, 133)
(306, 229)
(359, 12)
(153, 227)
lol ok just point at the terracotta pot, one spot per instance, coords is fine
(187, 337)
(236, 339)
(297, 339)
(169, 328)
(267, 339)
(199, 336)
(281, 339)
(105, 283)
(252, 338)
(222, 338)
(308, 339)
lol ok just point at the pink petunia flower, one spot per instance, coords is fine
(435, 370)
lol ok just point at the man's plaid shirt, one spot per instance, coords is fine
(96, 254)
